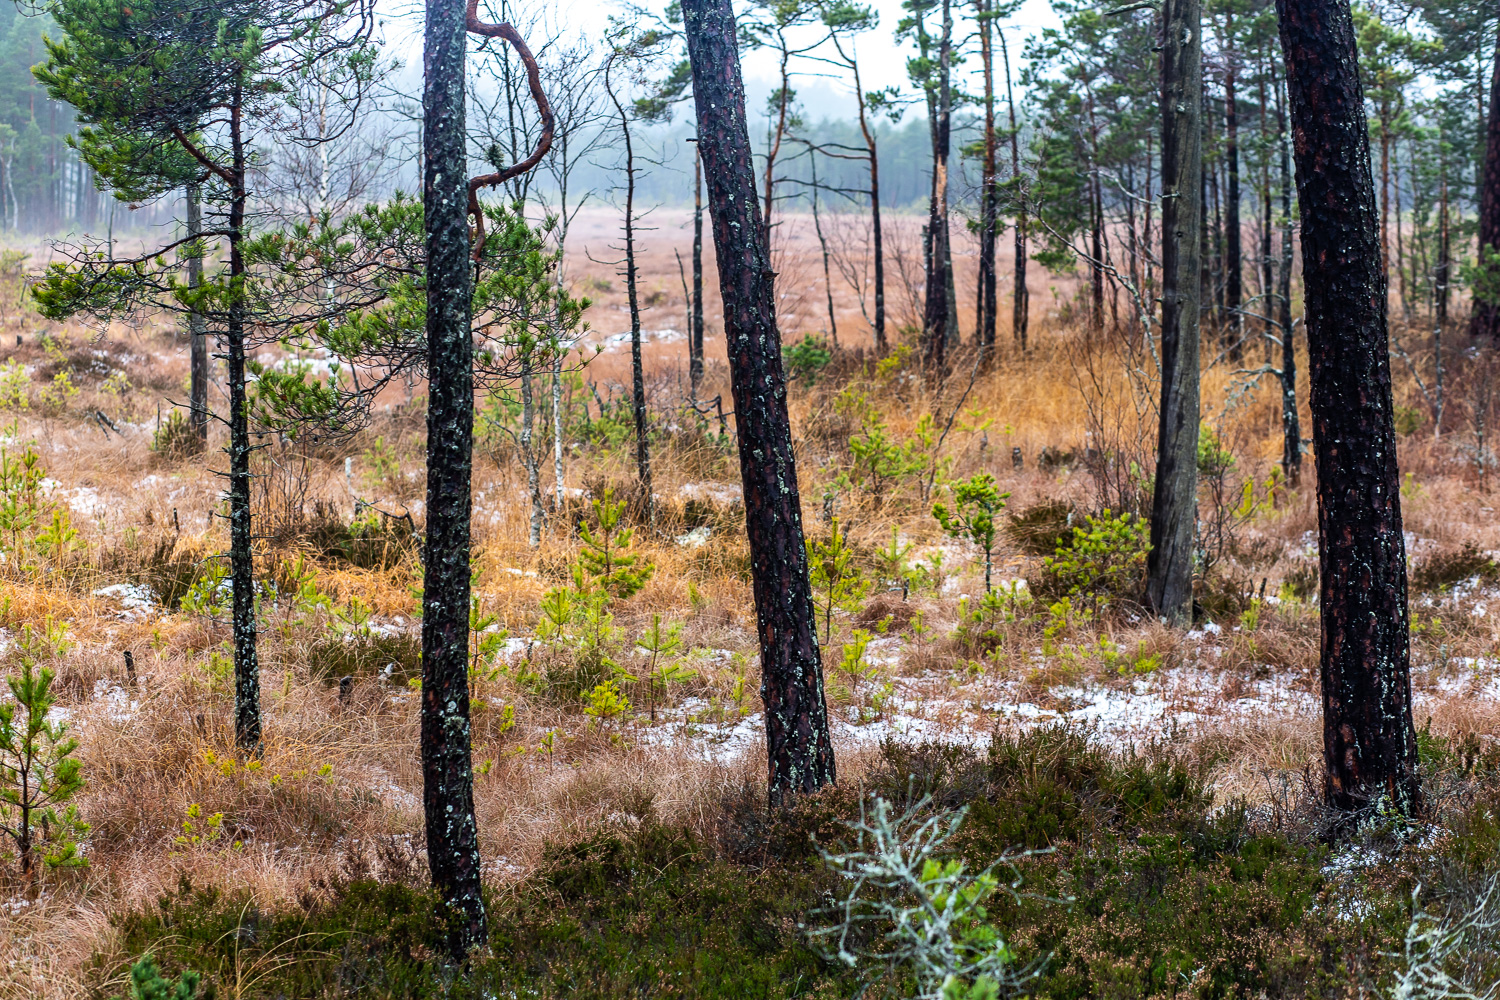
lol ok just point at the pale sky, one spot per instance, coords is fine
(882, 60)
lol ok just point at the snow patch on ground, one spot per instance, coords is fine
(723, 494)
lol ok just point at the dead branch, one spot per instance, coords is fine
(534, 81)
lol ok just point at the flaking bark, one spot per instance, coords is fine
(798, 745)
(1369, 743)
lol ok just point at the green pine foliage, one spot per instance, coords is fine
(972, 517)
(606, 561)
(147, 982)
(39, 774)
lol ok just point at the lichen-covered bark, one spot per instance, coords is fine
(241, 554)
(1169, 579)
(1485, 319)
(447, 775)
(1369, 744)
(797, 739)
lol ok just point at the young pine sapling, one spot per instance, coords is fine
(664, 669)
(975, 504)
(836, 581)
(39, 776)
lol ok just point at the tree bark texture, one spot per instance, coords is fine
(1020, 294)
(247, 733)
(1169, 579)
(936, 318)
(1369, 744)
(1485, 319)
(798, 744)
(984, 332)
(695, 344)
(1233, 252)
(1291, 426)
(447, 774)
(197, 325)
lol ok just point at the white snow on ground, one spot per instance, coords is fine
(85, 500)
(695, 539)
(617, 340)
(136, 600)
(724, 494)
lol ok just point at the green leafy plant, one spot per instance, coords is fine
(836, 581)
(895, 569)
(15, 386)
(910, 910)
(175, 438)
(39, 776)
(606, 558)
(972, 519)
(663, 669)
(1103, 560)
(806, 358)
(147, 982)
(605, 701)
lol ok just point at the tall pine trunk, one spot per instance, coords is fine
(798, 745)
(695, 341)
(937, 318)
(1169, 586)
(1369, 744)
(1485, 319)
(984, 327)
(632, 298)
(197, 326)
(247, 735)
(1234, 323)
(1020, 295)
(1291, 427)
(447, 772)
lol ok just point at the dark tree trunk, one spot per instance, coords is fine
(1369, 744)
(241, 552)
(1291, 427)
(882, 344)
(798, 745)
(197, 327)
(984, 327)
(637, 367)
(936, 319)
(833, 325)
(1485, 320)
(1020, 295)
(695, 343)
(447, 773)
(1169, 579)
(876, 236)
(1233, 268)
(1268, 224)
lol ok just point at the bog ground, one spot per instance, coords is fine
(1172, 775)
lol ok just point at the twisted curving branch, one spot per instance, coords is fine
(534, 82)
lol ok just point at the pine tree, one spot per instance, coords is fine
(798, 742)
(1369, 742)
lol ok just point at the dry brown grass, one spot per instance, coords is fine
(338, 776)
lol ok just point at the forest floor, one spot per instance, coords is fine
(1173, 771)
